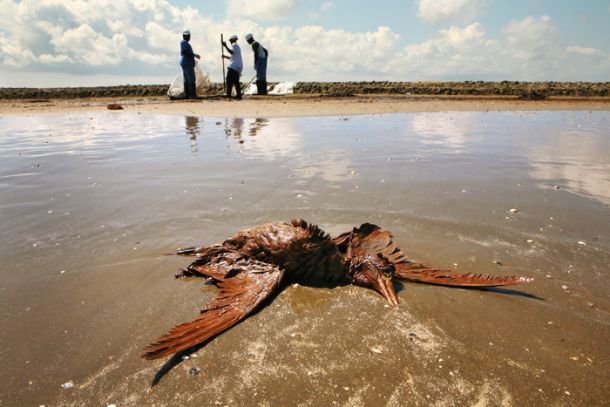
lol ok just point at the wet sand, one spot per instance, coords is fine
(301, 105)
(91, 201)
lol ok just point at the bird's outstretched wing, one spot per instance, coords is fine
(244, 284)
(371, 239)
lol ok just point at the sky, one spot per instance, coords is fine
(46, 43)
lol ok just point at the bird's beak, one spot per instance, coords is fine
(385, 286)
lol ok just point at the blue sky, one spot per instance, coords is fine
(104, 42)
(584, 21)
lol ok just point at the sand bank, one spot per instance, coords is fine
(296, 105)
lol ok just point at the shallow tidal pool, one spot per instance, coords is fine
(92, 203)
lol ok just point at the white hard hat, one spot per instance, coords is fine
(233, 37)
(249, 37)
(186, 32)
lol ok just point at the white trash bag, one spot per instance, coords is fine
(250, 90)
(282, 88)
(202, 83)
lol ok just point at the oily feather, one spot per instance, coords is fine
(371, 239)
(423, 273)
(244, 284)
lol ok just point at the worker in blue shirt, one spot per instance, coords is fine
(260, 64)
(187, 62)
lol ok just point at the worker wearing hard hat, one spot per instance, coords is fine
(187, 62)
(235, 67)
(260, 64)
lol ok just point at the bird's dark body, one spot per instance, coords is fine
(306, 254)
(255, 264)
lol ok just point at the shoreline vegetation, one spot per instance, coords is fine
(496, 90)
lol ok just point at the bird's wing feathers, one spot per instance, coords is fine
(423, 273)
(244, 283)
(372, 239)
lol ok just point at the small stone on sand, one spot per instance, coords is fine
(68, 385)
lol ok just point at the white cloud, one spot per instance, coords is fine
(260, 9)
(79, 36)
(530, 32)
(105, 39)
(528, 49)
(532, 46)
(315, 52)
(594, 52)
(435, 11)
(454, 50)
(327, 6)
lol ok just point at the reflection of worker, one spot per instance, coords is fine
(192, 127)
(193, 130)
(238, 126)
(235, 67)
(258, 124)
(260, 64)
(187, 62)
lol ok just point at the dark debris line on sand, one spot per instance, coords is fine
(524, 90)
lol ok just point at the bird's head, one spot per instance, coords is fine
(375, 272)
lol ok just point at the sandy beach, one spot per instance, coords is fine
(298, 105)
(93, 200)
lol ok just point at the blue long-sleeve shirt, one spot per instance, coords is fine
(188, 56)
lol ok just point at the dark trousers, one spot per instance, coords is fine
(190, 90)
(261, 75)
(233, 80)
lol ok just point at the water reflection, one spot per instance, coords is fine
(452, 130)
(258, 124)
(569, 149)
(578, 160)
(272, 140)
(193, 131)
(75, 134)
(235, 127)
(332, 166)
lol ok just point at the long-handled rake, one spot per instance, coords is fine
(222, 52)
(243, 89)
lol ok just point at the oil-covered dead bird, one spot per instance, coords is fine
(255, 264)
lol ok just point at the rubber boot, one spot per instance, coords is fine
(259, 88)
(193, 91)
(229, 89)
(187, 90)
(238, 90)
(264, 87)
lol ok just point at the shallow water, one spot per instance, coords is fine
(91, 203)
